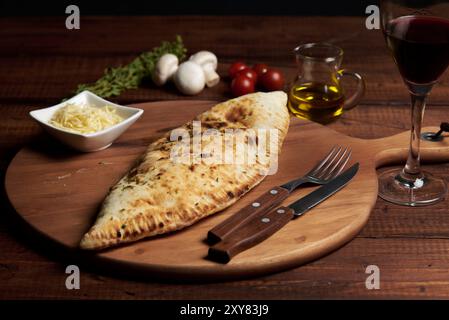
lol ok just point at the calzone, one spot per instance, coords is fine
(166, 191)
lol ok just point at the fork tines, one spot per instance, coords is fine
(332, 165)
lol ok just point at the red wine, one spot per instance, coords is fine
(420, 46)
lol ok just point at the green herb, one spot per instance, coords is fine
(116, 80)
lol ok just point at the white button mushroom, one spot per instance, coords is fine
(208, 61)
(189, 78)
(165, 69)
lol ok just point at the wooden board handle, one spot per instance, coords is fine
(394, 149)
(265, 202)
(254, 232)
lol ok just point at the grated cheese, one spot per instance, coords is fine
(85, 118)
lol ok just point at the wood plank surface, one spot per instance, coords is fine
(60, 59)
(42, 62)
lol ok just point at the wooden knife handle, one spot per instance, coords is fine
(265, 202)
(253, 232)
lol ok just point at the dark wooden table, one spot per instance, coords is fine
(41, 62)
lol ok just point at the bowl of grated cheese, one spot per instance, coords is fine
(86, 122)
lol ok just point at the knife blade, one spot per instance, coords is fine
(258, 229)
(309, 201)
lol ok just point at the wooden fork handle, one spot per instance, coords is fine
(256, 230)
(258, 207)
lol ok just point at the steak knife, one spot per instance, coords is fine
(257, 229)
(328, 168)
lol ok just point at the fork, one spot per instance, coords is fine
(326, 169)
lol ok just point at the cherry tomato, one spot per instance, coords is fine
(272, 80)
(242, 85)
(249, 73)
(235, 68)
(260, 68)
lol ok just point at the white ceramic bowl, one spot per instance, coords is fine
(91, 141)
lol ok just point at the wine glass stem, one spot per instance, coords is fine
(412, 170)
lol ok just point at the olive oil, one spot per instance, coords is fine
(316, 101)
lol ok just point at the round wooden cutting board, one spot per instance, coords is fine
(58, 192)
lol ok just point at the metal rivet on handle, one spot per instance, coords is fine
(274, 191)
(265, 220)
(280, 211)
(256, 204)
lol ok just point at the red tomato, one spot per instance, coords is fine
(235, 68)
(249, 73)
(260, 68)
(242, 85)
(272, 80)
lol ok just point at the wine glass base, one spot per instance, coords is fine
(425, 191)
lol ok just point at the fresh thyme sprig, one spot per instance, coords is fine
(116, 80)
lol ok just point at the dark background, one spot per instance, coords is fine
(172, 7)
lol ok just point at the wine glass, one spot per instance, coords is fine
(417, 34)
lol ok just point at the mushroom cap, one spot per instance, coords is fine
(208, 61)
(189, 78)
(165, 68)
(205, 57)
